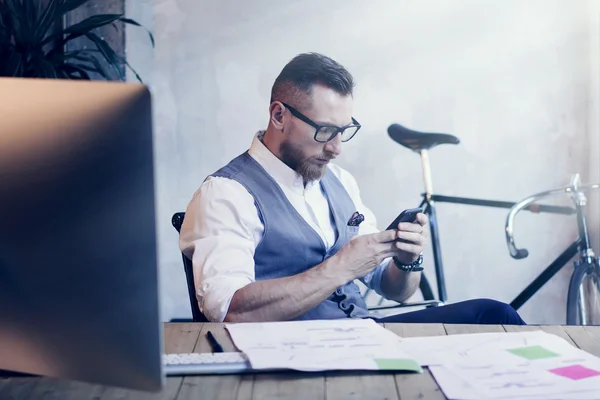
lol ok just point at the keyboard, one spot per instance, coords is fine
(205, 363)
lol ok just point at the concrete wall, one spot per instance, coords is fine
(594, 121)
(513, 79)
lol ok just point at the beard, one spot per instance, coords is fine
(294, 157)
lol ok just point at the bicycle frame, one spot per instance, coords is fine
(429, 200)
(581, 246)
(586, 254)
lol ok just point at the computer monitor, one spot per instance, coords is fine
(78, 262)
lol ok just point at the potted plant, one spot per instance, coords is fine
(34, 42)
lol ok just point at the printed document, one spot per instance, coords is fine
(516, 365)
(319, 345)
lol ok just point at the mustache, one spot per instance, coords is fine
(327, 157)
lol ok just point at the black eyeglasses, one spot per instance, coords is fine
(325, 133)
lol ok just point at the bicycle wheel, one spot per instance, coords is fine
(583, 298)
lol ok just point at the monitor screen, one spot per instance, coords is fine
(79, 292)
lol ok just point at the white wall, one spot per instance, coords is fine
(594, 122)
(512, 79)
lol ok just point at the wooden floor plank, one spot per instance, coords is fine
(183, 338)
(220, 333)
(224, 387)
(19, 388)
(56, 389)
(358, 385)
(417, 386)
(587, 338)
(412, 330)
(169, 392)
(293, 385)
(179, 338)
(453, 329)
(5, 383)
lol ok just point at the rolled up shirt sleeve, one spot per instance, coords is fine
(220, 232)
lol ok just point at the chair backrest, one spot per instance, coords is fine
(188, 267)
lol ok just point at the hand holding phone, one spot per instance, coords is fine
(409, 215)
(410, 242)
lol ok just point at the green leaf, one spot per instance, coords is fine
(73, 69)
(14, 65)
(5, 28)
(91, 23)
(30, 46)
(48, 17)
(132, 22)
(29, 11)
(85, 56)
(134, 71)
(108, 53)
(70, 5)
(125, 62)
(93, 69)
(15, 19)
(48, 70)
(27, 20)
(62, 74)
(82, 28)
(39, 8)
(4, 32)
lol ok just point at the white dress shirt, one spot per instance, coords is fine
(222, 228)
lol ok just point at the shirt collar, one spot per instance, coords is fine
(283, 175)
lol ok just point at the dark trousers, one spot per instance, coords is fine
(480, 311)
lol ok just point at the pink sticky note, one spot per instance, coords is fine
(575, 372)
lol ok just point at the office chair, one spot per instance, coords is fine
(177, 221)
(197, 315)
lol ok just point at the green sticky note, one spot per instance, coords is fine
(404, 364)
(533, 352)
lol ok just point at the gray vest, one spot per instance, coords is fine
(290, 245)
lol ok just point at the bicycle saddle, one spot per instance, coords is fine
(416, 140)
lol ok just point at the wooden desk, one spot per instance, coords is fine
(185, 338)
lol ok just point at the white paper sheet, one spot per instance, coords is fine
(524, 365)
(456, 388)
(321, 345)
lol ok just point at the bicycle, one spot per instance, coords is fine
(583, 296)
(583, 305)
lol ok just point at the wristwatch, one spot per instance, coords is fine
(415, 266)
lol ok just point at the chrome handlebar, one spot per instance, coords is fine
(575, 190)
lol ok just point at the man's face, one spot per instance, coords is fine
(300, 151)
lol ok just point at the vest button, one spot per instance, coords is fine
(344, 306)
(339, 291)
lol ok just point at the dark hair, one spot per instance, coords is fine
(303, 71)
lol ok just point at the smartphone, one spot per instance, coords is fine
(409, 215)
